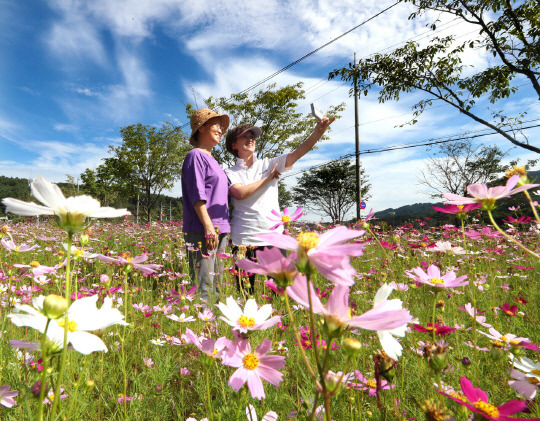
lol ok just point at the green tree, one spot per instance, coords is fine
(285, 196)
(274, 110)
(510, 32)
(148, 162)
(331, 189)
(453, 166)
(100, 183)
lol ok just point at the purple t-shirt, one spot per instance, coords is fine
(204, 179)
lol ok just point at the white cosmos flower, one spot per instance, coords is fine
(390, 344)
(71, 212)
(251, 318)
(83, 318)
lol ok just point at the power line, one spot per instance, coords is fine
(409, 146)
(266, 79)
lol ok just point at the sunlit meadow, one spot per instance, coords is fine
(422, 320)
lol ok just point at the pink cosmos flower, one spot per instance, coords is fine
(527, 380)
(477, 401)
(49, 399)
(178, 296)
(271, 263)
(6, 396)
(135, 262)
(251, 318)
(207, 315)
(252, 415)
(434, 278)
(446, 247)
(475, 314)
(369, 384)
(253, 366)
(326, 252)
(286, 218)
(486, 231)
(210, 347)
(509, 339)
(384, 316)
(487, 196)
(11, 246)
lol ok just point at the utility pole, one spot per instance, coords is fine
(137, 208)
(170, 210)
(161, 213)
(357, 143)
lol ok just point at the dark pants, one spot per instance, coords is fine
(250, 254)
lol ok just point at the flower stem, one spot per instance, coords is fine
(532, 206)
(45, 357)
(297, 335)
(66, 326)
(210, 412)
(511, 238)
(473, 298)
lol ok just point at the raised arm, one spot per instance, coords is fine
(308, 144)
(239, 191)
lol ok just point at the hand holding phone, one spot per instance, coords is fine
(318, 114)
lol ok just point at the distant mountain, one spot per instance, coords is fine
(416, 209)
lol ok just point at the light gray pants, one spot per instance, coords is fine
(205, 268)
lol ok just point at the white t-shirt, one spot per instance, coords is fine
(250, 215)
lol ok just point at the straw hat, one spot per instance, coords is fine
(201, 116)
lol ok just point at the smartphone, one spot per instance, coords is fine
(318, 114)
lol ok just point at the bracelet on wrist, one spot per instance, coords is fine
(208, 236)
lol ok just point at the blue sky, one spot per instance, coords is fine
(73, 72)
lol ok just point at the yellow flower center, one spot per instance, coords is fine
(521, 171)
(430, 328)
(487, 409)
(533, 380)
(214, 353)
(308, 343)
(78, 253)
(514, 342)
(504, 338)
(535, 371)
(459, 396)
(509, 312)
(285, 218)
(460, 207)
(372, 383)
(72, 326)
(246, 321)
(308, 240)
(34, 264)
(127, 255)
(436, 281)
(16, 248)
(497, 344)
(423, 245)
(251, 362)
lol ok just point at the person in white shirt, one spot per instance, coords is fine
(253, 185)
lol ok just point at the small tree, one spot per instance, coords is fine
(330, 190)
(148, 161)
(274, 110)
(455, 165)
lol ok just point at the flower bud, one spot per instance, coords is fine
(386, 365)
(104, 279)
(352, 347)
(90, 384)
(54, 306)
(436, 355)
(332, 382)
(36, 388)
(466, 361)
(158, 387)
(84, 239)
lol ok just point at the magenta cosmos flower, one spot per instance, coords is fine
(210, 347)
(326, 252)
(286, 218)
(459, 210)
(251, 318)
(477, 401)
(487, 196)
(132, 261)
(253, 366)
(271, 263)
(434, 278)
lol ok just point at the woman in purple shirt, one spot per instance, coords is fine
(204, 200)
